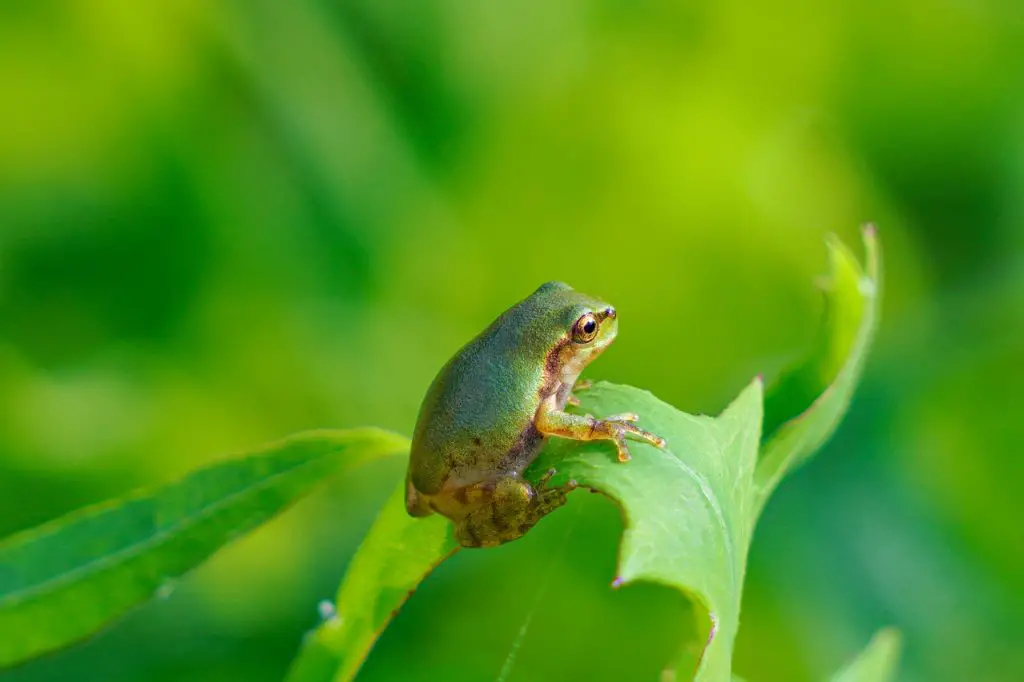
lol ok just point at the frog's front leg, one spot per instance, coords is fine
(555, 422)
(506, 508)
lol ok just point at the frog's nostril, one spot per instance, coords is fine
(609, 312)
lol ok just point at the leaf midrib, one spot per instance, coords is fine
(121, 556)
(708, 493)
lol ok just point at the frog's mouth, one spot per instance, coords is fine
(609, 321)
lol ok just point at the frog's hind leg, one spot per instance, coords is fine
(507, 509)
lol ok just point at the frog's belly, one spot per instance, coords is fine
(456, 501)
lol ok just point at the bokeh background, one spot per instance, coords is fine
(224, 222)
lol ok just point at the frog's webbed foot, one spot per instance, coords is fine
(510, 508)
(624, 426)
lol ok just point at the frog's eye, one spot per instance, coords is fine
(585, 329)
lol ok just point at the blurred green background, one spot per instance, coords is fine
(224, 222)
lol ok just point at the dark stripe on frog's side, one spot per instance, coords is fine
(530, 440)
(551, 368)
(520, 454)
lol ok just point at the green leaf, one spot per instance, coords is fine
(67, 578)
(689, 509)
(397, 554)
(824, 385)
(877, 663)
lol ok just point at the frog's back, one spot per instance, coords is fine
(477, 416)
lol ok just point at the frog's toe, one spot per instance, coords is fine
(622, 449)
(543, 480)
(639, 434)
(542, 483)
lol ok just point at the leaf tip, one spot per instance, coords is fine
(877, 662)
(889, 639)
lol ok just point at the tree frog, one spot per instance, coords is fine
(490, 408)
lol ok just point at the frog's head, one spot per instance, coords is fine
(577, 327)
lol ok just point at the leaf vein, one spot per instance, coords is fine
(122, 556)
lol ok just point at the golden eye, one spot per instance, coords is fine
(585, 329)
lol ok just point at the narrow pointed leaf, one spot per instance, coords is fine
(397, 554)
(64, 580)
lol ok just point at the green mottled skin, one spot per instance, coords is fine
(485, 416)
